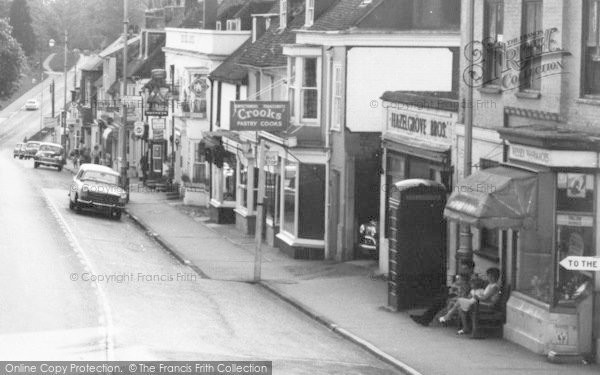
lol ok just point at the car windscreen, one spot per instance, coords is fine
(54, 149)
(33, 145)
(100, 177)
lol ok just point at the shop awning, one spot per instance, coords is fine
(106, 133)
(500, 197)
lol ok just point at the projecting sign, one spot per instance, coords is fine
(157, 113)
(257, 116)
(581, 263)
(138, 128)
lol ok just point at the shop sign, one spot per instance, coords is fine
(422, 124)
(152, 112)
(575, 220)
(158, 128)
(579, 263)
(553, 158)
(271, 158)
(257, 116)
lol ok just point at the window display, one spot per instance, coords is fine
(289, 203)
(229, 178)
(575, 239)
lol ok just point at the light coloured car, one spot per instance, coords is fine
(17, 150)
(97, 187)
(32, 105)
(50, 155)
(31, 149)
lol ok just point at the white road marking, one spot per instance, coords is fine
(105, 318)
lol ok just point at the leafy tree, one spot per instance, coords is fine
(20, 20)
(12, 61)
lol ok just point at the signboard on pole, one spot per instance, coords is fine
(578, 263)
(138, 128)
(271, 158)
(257, 116)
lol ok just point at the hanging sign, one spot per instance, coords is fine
(257, 116)
(579, 263)
(271, 158)
(138, 128)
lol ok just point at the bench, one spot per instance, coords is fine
(489, 318)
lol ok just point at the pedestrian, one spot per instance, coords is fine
(465, 270)
(96, 155)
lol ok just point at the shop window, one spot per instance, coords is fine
(229, 176)
(591, 53)
(255, 190)
(395, 171)
(289, 197)
(574, 233)
(200, 166)
(272, 182)
(243, 186)
(494, 25)
(311, 202)
(531, 49)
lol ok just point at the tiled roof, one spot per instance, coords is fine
(229, 70)
(441, 100)
(267, 51)
(344, 14)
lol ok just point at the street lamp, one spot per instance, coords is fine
(51, 43)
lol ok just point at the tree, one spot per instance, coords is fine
(12, 61)
(20, 20)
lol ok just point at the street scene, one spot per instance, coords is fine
(299, 187)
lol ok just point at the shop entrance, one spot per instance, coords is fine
(156, 159)
(417, 242)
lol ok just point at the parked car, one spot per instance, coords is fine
(97, 187)
(368, 243)
(17, 150)
(32, 105)
(51, 155)
(31, 149)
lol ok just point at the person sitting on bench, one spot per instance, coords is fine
(489, 298)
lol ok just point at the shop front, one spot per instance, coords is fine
(544, 204)
(221, 149)
(416, 144)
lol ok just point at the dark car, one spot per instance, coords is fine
(368, 243)
(97, 187)
(50, 155)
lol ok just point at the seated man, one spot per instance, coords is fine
(465, 271)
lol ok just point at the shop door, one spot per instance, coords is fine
(156, 160)
(417, 243)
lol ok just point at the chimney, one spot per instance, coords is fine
(210, 14)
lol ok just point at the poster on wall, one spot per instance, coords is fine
(158, 128)
(576, 185)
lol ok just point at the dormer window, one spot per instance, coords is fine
(233, 25)
(218, 25)
(310, 13)
(282, 14)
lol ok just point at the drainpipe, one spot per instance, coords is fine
(465, 249)
(327, 122)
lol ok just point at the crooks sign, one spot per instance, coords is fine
(257, 116)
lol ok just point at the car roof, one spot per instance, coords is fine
(51, 144)
(34, 142)
(97, 168)
(32, 100)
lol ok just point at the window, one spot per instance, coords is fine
(292, 85)
(272, 183)
(310, 13)
(282, 14)
(336, 120)
(531, 48)
(200, 165)
(494, 24)
(229, 175)
(574, 233)
(243, 186)
(131, 89)
(310, 93)
(591, 81)
(233, 25)
(311, 201)
(289, 198)
(218, 25)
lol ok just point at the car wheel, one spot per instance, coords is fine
(35, 165)
(76, 205)
(71, 204)
(115, 214)
(59, 168)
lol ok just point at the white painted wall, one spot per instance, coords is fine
(227, 96)
(205, 41)
(372, 71)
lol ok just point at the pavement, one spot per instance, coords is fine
(347, 297)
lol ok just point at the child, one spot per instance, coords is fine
(477, 290)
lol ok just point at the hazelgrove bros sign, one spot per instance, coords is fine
(256, 116)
